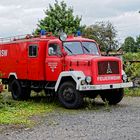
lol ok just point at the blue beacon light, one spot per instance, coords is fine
(78, 33)
(43, 32)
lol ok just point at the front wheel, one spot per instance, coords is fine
(113, 96)
(69, 97)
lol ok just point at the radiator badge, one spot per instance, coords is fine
(108, 69)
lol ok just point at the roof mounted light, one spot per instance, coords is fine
(63, 36)
(78, 33)
(43, 32)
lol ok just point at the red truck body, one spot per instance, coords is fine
(31, 64)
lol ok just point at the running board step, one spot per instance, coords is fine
(51, 88)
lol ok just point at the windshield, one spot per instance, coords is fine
(90, 48)
(74, 48)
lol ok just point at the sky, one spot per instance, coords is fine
(19, 17)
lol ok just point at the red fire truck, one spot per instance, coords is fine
(69, 67)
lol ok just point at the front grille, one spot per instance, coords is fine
(108, 67)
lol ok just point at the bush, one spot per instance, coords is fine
(132, 69)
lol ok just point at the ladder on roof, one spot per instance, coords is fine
(22, 37)
(15, 38)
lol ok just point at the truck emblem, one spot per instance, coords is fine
(52, 65)
(108, 69)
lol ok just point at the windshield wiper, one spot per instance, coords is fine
(68, 49)
(86, 49)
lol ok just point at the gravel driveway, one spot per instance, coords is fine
(121, 122)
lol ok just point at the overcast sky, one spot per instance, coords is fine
(21, 16)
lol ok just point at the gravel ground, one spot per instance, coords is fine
(101, 122)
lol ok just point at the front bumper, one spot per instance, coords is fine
(106, 86)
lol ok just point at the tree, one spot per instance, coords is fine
(59, 18)
(129, 45)
(138, 42)
(104, 33)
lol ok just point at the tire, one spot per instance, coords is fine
(113, 96)
(69, 97)
(19, 93)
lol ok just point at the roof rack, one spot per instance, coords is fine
(15, 38)
(23, 37)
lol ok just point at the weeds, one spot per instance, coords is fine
(91, 104)
(28, 112)
(20, 112)
(134, 92)
(107, 106)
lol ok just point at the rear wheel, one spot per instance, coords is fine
(19, 93)
(112, 96)
(68, 96)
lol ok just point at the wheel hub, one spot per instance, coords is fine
(68, 94)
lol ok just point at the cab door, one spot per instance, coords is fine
(54, 60)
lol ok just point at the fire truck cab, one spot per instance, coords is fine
(70, 68)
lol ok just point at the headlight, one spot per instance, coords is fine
(63, 36)
(88, 79)
(124, 77)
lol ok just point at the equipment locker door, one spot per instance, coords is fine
(54, 61)
(20, 56)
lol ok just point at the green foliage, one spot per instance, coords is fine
(21, 112)
(131, 56)
(132, 69)
(129, 45)
(104, 33)
(59, 18)
(138, 43)
(135, 92)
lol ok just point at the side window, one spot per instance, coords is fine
(54, 49)
(33, 51)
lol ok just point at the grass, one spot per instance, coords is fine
(23, 112)
(28, 113)
(134, 92)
